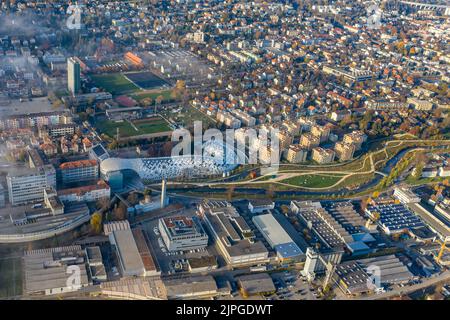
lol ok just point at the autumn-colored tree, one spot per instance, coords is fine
(96, 222)
(120, 213)
(230, 191)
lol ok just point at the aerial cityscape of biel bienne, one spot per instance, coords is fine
(235, 155)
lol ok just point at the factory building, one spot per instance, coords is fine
(394, 218)
(46, 270)
(338, 226)
(357, 277)
(277, 237)
(232, 235)
(130, 262)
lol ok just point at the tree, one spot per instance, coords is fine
(120, 213)
(270, 192)
(418, 170)
(132, 198)
(102, 204)
(285, 209)
(96, 222)
(230, 191)
(113, 145)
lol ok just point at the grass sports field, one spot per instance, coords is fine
(153, 94)
(116, 83)
(135, 128)
(146, 80)
(141, 84)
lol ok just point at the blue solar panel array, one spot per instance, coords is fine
(396, 217)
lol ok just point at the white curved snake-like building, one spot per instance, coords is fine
(215, 160)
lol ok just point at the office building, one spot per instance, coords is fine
(182, 233)
(73, 76)
(260, 205)
(27, 184)
(2, 196)
(405, 195)
(88, 193)
(55, 131)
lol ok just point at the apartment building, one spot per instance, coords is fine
(76, 171)
(244, 117)
(322, 132)
(356, 137)
(309, 141)
(228, 119)
(55, 131)
(344, 151)
(323, 156)
(296, 154)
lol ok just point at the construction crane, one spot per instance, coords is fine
(441, 251)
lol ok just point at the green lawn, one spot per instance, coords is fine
(116, 83)
(188, 115)
(152, 125)
(10, 277)
(110, 128)
(158, 125)
(166, 94)
(313, 181)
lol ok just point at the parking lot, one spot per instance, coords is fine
(290, 286)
